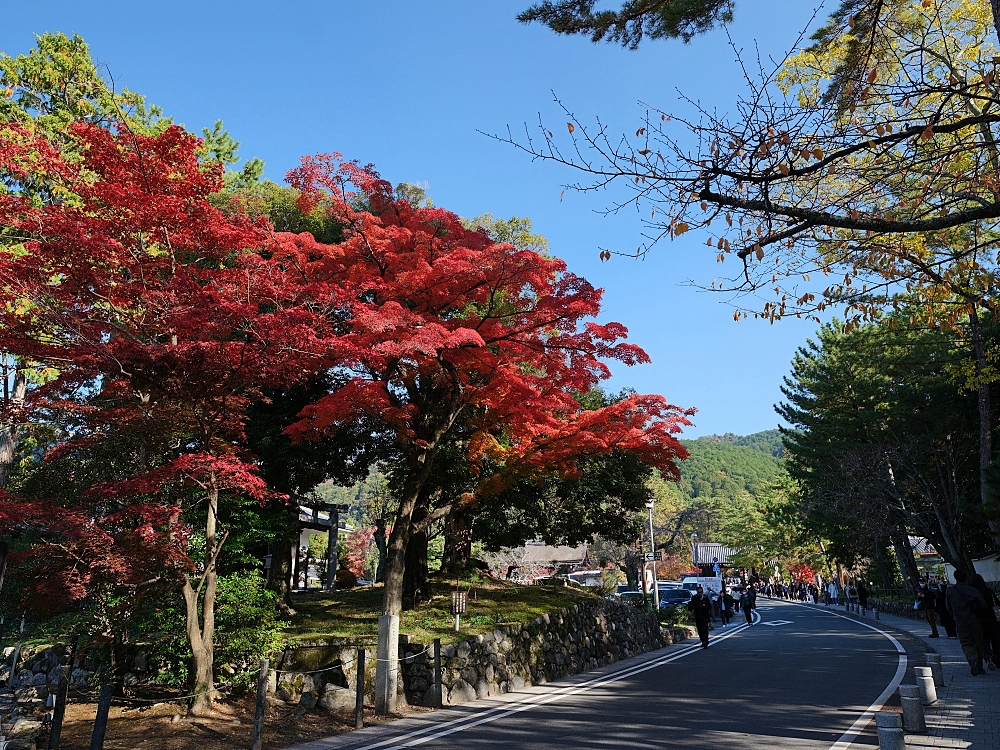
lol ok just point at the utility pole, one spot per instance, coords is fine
(652, 552)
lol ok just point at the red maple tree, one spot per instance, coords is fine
(433, 325)
(161, 308)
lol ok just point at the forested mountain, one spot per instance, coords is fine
(722, 484)
(768, 441)
(727, 464)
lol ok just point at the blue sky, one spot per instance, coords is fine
(408, 86)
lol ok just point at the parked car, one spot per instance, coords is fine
(671, 597)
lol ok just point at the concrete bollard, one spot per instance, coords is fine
(937, 672)
(913, 709)
(889, 726)
(925, 681)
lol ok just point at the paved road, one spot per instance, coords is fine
(799, 678)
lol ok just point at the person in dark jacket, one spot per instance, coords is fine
(947, 621)
(927, 601)
(862, 595)
(726, 607)
(749, 602)
(967, 605)
(701, 607)
(991, 628)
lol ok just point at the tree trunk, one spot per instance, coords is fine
(904, 555)
(280, 574)
(457, 541)
(415, 565)
(985, 413)
(882, 563)
(201, 634)
(380, 544)
(395, 561)
(14, 393)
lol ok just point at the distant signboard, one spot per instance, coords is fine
(651, 556)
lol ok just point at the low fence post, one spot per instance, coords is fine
(925, 681)
(889, 726)
(256, 741)
(438, 688)
(101, 721)
(934, 662)
(359, 701)
(59, 711)
(913, 709)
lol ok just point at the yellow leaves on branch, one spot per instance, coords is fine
(680, 228)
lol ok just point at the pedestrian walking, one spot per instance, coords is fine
(966, 606)
(862, 595)
(726, 607)
(852, 595)
(749, 601)
(831, 592)
(991, 628)
(927, 603)
(701, 607)
(947, 621)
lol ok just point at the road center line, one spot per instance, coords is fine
(499, 712)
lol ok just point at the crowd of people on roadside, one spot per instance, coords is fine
(713, 605)
(967, 609)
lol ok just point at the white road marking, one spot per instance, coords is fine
(500, 712)
(772, 623)
(848, 737)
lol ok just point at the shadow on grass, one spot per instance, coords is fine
(354, 613)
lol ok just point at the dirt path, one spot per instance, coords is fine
(163, 727)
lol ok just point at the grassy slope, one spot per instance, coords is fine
(491, 602)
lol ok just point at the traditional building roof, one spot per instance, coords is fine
(705, 553)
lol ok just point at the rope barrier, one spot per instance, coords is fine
(327, 669)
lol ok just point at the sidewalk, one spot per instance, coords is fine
(967, 713)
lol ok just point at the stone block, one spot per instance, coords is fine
(337, 699)
(80, 677)
(459, 693)
(308, 701)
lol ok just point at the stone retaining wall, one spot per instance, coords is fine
(323, 673)
(585, 636)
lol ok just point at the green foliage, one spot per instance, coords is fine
(57, 84)
(248, 628)
(768, 441)
(886, 440)
(656, 19)
(676, 615)
(515, 231)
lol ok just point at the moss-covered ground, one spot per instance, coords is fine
(491, 602)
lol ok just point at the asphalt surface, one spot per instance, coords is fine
(800, 677)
